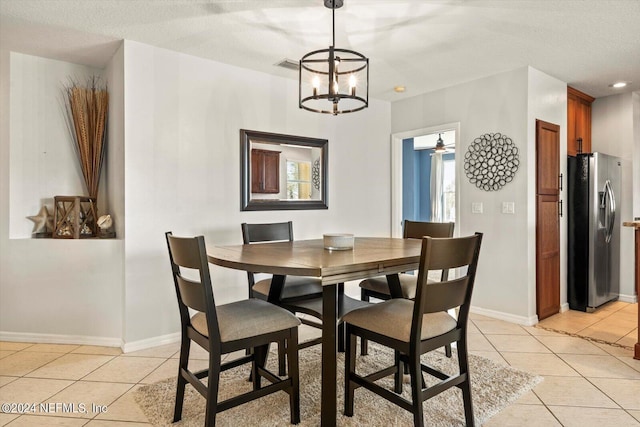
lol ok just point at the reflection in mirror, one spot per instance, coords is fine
(283, 171)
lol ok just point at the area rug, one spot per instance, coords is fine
(494, 386)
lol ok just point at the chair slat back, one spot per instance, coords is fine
(255, 233)
(191, 293)
(419, 229)
(191, 253)
(438, 254)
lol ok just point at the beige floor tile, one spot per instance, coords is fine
(70, 366)
(14, 346)
(7, 418)
(6, 380)
(523, 415)
(21, 363)
(615, 350)
(53, 348)
(571, 416)
(635, 414)
(634, 363)
(478, 342)
(5, 353)
(630, 339)
(96, 349)
(538, 331)
(472, 329)
(474, 317)
(32, 390)
(169, 369)
(540, 363)
(124, 409)
(625, 393)
(492, 355)
(572, 391)
(196, 352)
(570, 345)
(39, 421)
(499, 327)
(596, 366)
(165, 351)
(630, 308)
(529, 398)
(517, 343)
(125, 369)
(607, 332)
(91, 395)
(105, 423)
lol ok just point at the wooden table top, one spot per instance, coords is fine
(371, 256)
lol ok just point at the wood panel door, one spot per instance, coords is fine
(547, 219)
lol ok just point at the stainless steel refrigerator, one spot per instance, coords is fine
(594, 181)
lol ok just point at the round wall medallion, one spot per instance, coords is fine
(491, 161)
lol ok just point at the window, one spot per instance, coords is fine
(298, 180)
(449, 190)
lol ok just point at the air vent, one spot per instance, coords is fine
(289, 64)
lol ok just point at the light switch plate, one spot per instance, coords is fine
(508, 207)
(476, 207)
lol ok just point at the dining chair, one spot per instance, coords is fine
(299, 294)
(415, 327)
(242, 325)
(378, 287)
(296, 288)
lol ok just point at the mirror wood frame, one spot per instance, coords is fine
(251, 204)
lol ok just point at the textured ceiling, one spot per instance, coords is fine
(423, 45)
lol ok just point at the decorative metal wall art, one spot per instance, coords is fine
(491, 161)
(315, 174)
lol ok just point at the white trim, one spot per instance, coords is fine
(150, 342)
(396, 172)
(564, 307)
(60, 339)
(513, 318)
(628, 298)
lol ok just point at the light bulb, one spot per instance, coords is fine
(316, 86)
(352, 84)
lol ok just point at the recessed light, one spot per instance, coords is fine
(618, 85)
(399, 89)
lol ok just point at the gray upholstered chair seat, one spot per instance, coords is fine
(295, 288)
(392, 318)
(247, 318)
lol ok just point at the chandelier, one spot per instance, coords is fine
(334, 81)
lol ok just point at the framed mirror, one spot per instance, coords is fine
(282, 172)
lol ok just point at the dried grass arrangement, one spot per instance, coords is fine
(86, 112)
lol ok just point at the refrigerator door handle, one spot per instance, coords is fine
(611, 216)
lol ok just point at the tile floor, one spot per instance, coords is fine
(615, 322)
(586, 384)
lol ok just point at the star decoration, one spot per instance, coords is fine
(43, 222)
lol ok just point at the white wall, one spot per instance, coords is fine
(612, 132)
(182, 170)
(507, 103)
(50, 289)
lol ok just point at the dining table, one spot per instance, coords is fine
(369, 257)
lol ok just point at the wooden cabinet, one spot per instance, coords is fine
(578, 122)
(265, 171)
(548, 207)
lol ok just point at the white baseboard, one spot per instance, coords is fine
(513, 318)
(150, 342)
(564, 307)
(60, 339)
(632, 299)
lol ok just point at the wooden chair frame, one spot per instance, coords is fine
(191, 253)
(437, 254)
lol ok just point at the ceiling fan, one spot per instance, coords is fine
(441, 147)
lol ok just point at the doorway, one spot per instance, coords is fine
(423, 177)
